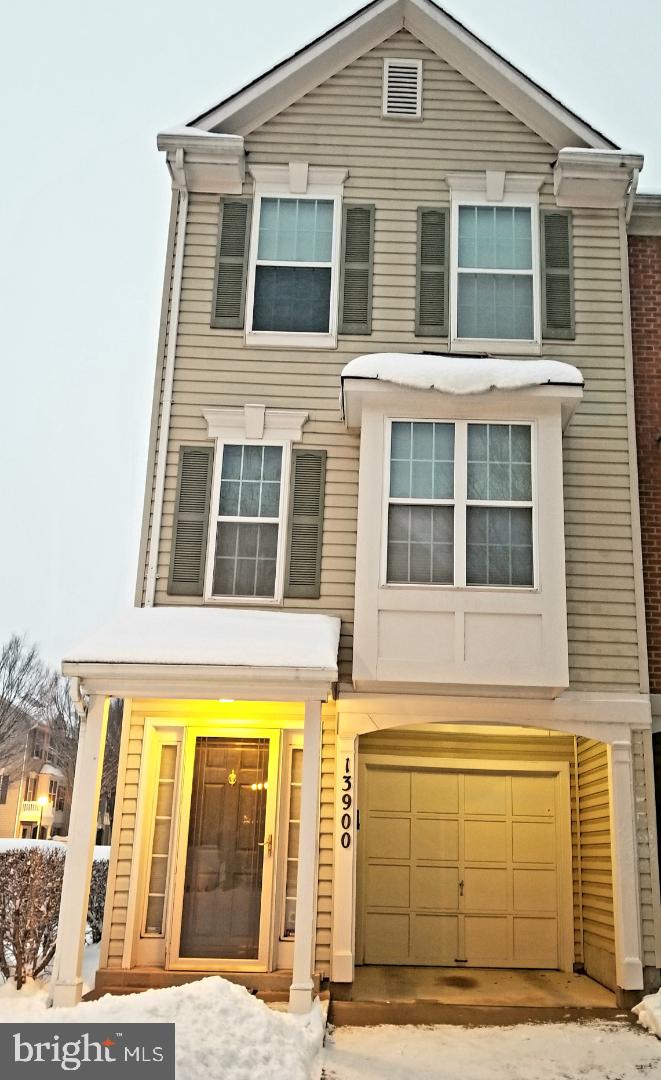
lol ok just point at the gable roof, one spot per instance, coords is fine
(311, 65)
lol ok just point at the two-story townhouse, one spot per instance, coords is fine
(34, 801)
(386, 698)
(645, 276)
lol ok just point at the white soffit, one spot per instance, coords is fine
(312, 65)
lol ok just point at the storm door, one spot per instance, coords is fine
(228, 844)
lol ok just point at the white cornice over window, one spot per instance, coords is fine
(494, 184)
(298, 178)
(255, 423)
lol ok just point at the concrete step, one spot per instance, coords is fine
(370, 1013)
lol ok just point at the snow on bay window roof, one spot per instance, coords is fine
(451, 374)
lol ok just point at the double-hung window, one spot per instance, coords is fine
(294, 266)
(495, 272)
(460, 504)
(292, 287)
(248, 522)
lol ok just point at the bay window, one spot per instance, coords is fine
(460, 504)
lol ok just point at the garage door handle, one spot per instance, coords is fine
(461, 888)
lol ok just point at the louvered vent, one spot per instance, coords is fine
(306, 523)
(402, 88)
(191, 521)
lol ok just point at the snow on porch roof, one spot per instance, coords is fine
(451, 374)
(209, 637)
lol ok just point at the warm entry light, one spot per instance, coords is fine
(43, 800)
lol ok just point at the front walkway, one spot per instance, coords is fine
(591, 1051)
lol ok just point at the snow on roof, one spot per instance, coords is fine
(451, 374)
(210, 637)
(50, 770)
(101, 851)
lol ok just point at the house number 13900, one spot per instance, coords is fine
(347, 802)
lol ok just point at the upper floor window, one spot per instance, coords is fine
(460, 504)
(31, 785)
(293, 266)
(38, 743)
(244, 559)
(495, 273)
(495, 285)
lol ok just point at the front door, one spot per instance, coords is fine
(226, 852)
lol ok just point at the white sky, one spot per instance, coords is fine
(84, 87)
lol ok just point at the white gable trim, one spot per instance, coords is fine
(311, 66)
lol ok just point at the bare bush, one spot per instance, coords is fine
(97, 899)
(30, 889)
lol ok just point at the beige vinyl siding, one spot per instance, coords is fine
(595, 861)
(322, 954)
(123, 836)
(399, 166)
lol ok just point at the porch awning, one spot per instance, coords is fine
(209, 652)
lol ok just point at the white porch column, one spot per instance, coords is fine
(344, 860)
(626, 900)
(67, 982)
(300, 992)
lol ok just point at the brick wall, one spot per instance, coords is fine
(645, 269)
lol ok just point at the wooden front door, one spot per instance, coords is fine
(228, 844)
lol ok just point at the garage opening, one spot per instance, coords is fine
(479, 849)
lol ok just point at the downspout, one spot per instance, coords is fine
(179, 183)
(633, 187)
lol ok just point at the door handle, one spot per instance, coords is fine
(461, 888)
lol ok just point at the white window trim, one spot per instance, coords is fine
(387, 61)
(285, 477)
(460, 503)
(252, 425)
(296, 181)
(514, 194)
(293, 741)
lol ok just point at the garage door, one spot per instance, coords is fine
(459, 868)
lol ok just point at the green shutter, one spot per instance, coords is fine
(431, 304)
(557, 274)
(306, 524)
(229, 298)
(356, 269)
(191, 521)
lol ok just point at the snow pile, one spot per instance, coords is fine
(649, 1013)
(101, 851)
(590, 1051)
(221, 1029)
(460, 374)
(225, 637)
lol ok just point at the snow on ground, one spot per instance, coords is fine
(460, 374)
(101, 851)
(649, 1013)
(221, 1029)
(591, 1051)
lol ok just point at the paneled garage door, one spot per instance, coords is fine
(459, 868)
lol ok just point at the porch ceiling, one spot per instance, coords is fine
(210, 653)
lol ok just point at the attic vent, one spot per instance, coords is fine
(402, 88)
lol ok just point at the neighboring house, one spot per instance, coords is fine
(386, 697)
(34, 801)
(645, 279)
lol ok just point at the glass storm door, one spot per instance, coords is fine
(229, 851)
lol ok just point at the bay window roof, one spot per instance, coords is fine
(450, 374)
